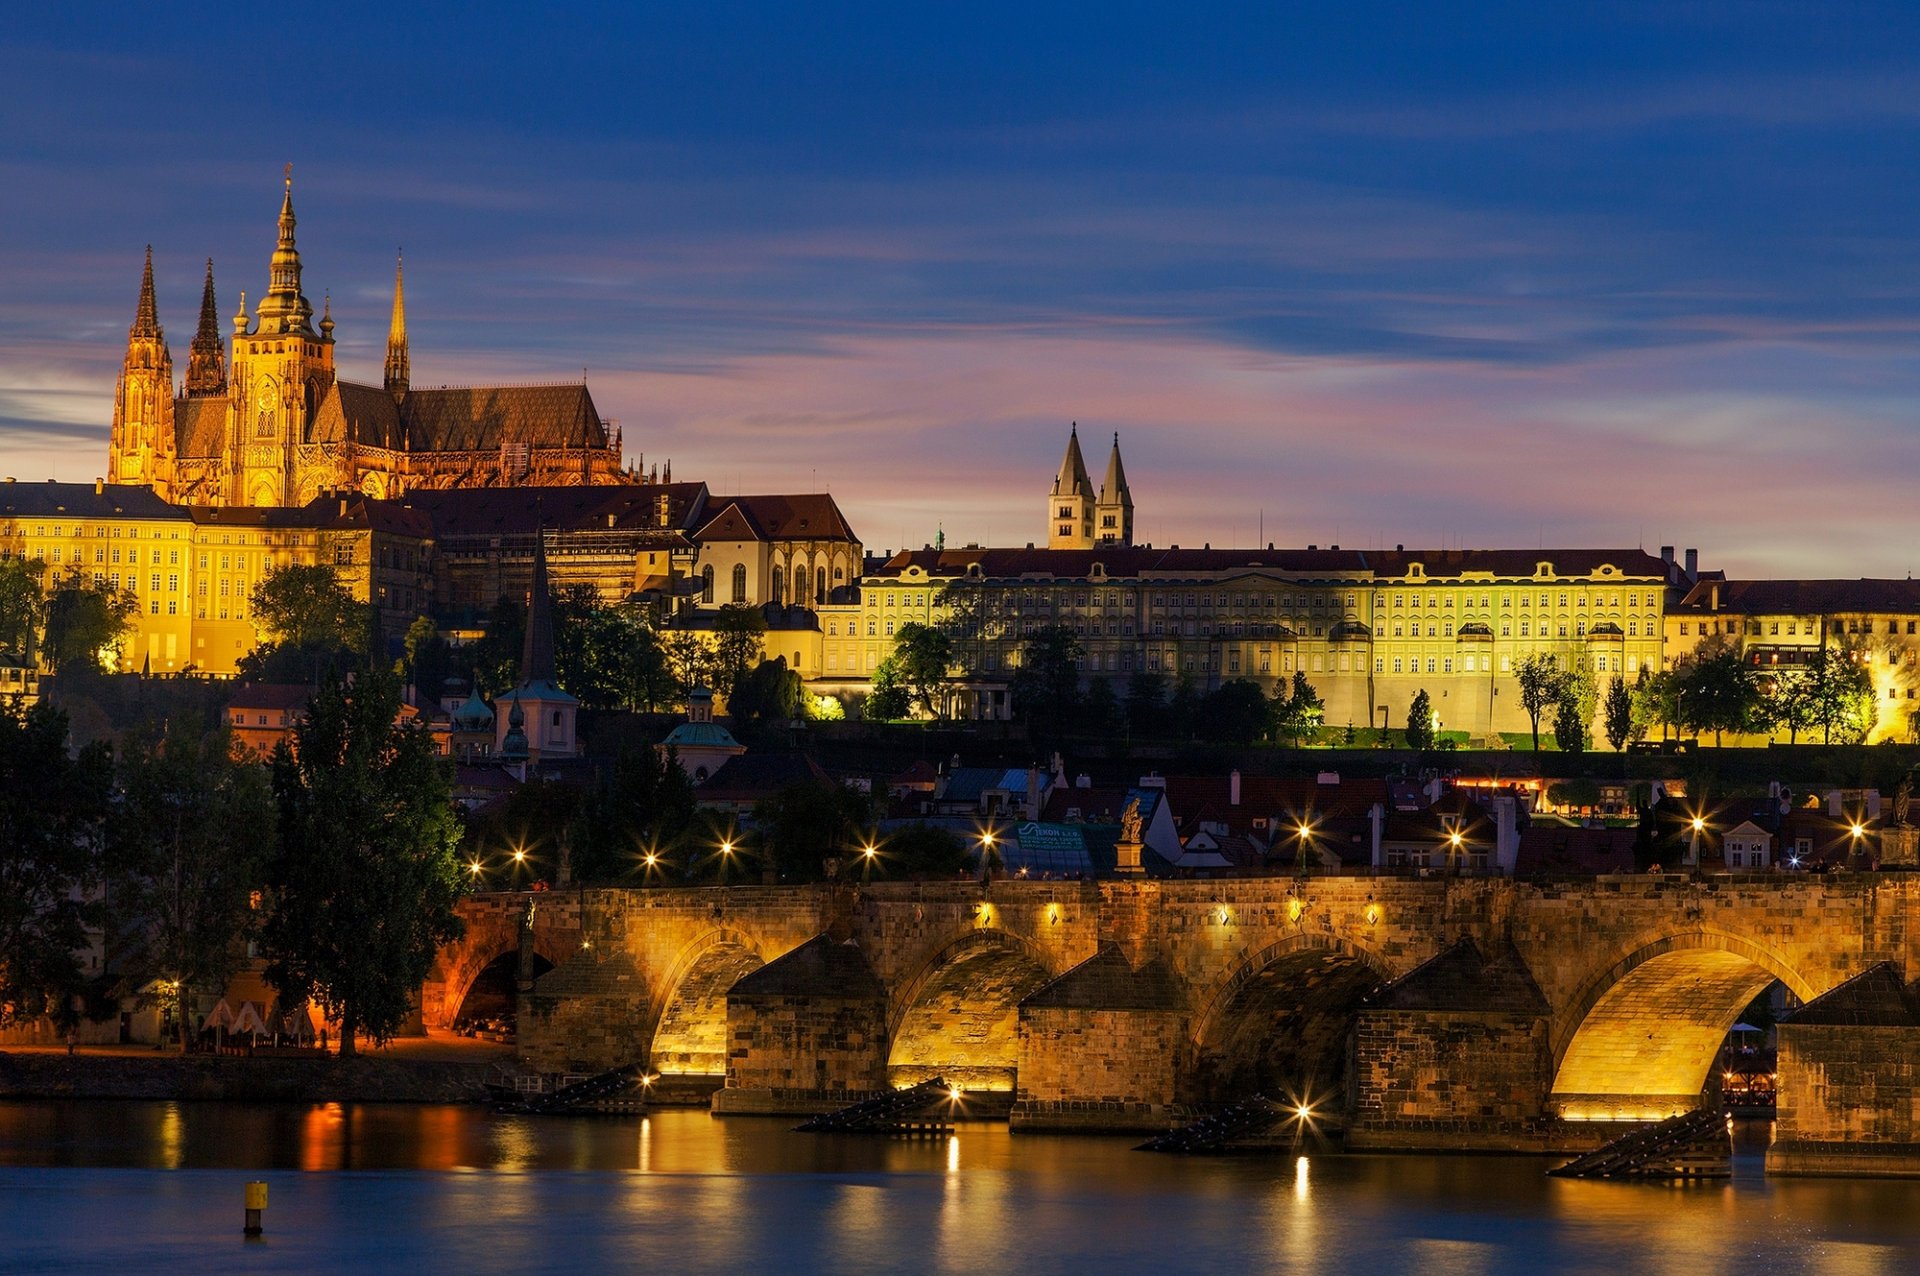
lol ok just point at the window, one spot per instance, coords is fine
(706, 584)
(739, 582)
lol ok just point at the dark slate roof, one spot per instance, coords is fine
(1804, 597)
(1462, 979)
(1877, 998)
(752, 776)
(1116, 561)
(350, 510)
(816, 968)
(270, 695)
(200, 426)
(1105, 981)
(771, 518)
(81, 500)
(481, 418)
(511, 511)
(362, 414)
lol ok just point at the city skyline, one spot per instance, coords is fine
(1627, 282)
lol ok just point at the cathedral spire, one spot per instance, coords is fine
(398, 371)
(1114, 511)
(206, 358)
(284, 308)
(146, 319)
(1072, 479)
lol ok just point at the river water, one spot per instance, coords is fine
(134, 1187)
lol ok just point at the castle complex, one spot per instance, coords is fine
(275, 426)
(435, 502)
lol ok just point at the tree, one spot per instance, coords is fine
(1183, 709)
(1420, 721)
(922, 655)
(1569, 726)
(739, 643)
(1618, 715)
(1714, 692)
(1146, 703)
(362, 885)
(54, 808)
(87, 624)
(1046, 687)
(966, 621)
(1100, 711)
(23, 604)
(1236, 712)
(889, 699)
(1841, 691)
(606, 655)
(804, 825)
(496, 657)
(1540, 678)
(922, 850)
(689, 661)
(1296, 717)
(1786, 703)
(771, 692)
(308, 609)
(643, 806)
(191, 833)
(1652, 700)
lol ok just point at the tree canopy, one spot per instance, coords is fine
(309, 623)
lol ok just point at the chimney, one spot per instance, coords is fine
(1693, 564)
(1233, 788)
(1666, 556)
(99, 486)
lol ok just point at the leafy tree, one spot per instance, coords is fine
(496, 657)
(923, 655)
(1618, 715)
(1714, 692)
(23, 604)
(54, 807)
(1574, 793)
(1540, 678)
(543, 820)
(1569, 727)
(190, 837)
(1234, 713)
(1183, 710)
(607, 655)
(1841, 691)
(922, 850)
(644, 805)
(771, 692)
(87, 624)
(1297, 716)
(965, 621)
(739, 643)
(1420, 721)
(308, 609)
(689, 661)
(1101, 711)
(363, 882)
(1146, 703)
(889, 699)
(1046, 687)
(1652, 702)
(804, 825)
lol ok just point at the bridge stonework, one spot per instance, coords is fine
(1447, 1012)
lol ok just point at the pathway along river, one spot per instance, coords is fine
(135, 1187)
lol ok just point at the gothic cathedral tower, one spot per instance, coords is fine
(281, 369)
(142, 449)
(1070, 505)
(1114, 511)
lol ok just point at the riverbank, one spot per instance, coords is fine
(430, 1070)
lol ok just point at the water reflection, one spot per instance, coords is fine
(694, 1193)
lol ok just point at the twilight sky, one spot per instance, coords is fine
(1486, 275)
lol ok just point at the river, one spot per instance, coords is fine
(138, 1186)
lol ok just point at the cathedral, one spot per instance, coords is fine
(1079, 518)
(272, 425)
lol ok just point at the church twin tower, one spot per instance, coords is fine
(1077, 518)
(276, 427)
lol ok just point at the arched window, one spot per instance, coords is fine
(820, 586)
(739, 582)
(779, 597)
(706, 584)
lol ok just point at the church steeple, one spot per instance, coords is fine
(1070, 505)
(284, 309)
(1114, 510)
(398, 370)
(207, 358)
(141, 446)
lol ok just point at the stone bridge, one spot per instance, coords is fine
(1446, 1012)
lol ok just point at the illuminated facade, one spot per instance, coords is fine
(273, 425)
(1780, 624)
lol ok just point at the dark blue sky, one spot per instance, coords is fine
(1361, 273)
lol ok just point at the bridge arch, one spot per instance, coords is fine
(958, 1015)
(1280, 1022)
(688, 1035)
(1639, 1037)
(489, 951)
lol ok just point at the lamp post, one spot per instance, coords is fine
(869, 852)
(1303, 837)
(1696, 827)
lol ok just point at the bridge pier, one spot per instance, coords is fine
(1849, 1082)
(806, 1033)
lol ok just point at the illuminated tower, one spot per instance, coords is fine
(281, 369)
(207, 357)
(397, 370)
(1070, 505)
(1113, 514)
(142, 445)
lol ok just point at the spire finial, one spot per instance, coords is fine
(207, 358)
(146, 316)
(284, 308)
(398, 367)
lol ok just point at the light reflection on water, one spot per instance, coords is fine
(449, 1188)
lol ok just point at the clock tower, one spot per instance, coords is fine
(281, 369)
